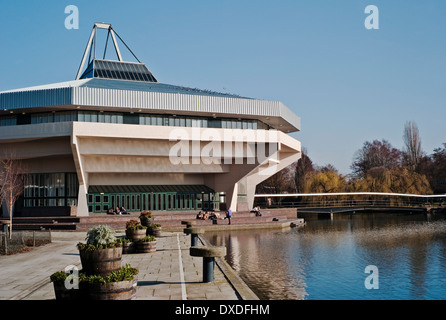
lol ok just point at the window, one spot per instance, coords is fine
(8, 121)
(128, 118)
(51, 189)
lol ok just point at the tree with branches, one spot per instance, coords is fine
(12, 182)
(373, 155)
(412, 152)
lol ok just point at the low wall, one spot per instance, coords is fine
(45, 212)
(290, 213)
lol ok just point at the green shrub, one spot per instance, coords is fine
(148, 239)
(146, 214)
(134, 225)
(123, 240)
(100, 235)
(126, 273)
(58, 276)
(89, 247)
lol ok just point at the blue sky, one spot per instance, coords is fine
(348, 84)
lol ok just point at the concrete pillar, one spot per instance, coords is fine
(82, 206)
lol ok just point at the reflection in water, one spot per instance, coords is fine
(253, 254)
(326, 259)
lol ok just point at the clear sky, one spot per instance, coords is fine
(347, 83)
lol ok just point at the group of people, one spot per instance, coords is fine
(208, 215)
(214, 216)
(256, 210)
(118, 210)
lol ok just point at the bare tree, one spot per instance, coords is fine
(412, 145)
(375, 154)
(12, 180)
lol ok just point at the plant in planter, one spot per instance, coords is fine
(102, 277)
(134, 230)
(154, 230)
(146, 245)
(127, 245)
(119, 285)
(146, 217)
(102, 254)
(60, 289)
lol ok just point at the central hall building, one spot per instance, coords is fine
(115, 136)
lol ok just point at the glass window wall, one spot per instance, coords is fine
(50, 190)
(142, 119)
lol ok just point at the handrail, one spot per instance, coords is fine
(351, 194)
(379, 199)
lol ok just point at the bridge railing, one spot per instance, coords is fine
(328, 200)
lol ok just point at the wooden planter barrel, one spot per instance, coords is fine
(135, 234)
(128, 247)
(146, 221)
(154, 232)
(121, 290)
(101, 262)
(62, 293)
(145, 247)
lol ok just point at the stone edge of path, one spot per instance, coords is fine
(240, 287)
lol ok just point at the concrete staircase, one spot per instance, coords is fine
(169, 220)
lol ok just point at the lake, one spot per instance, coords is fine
(361, 256)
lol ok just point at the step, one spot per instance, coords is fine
(44, 226)
(19, 220)
(168, 219)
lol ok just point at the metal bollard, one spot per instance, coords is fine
(208, 269)
(194, 232)
(208, 254)
(188, 223)
(193, 239)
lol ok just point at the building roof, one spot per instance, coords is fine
(121, 84)
(120, 70)
(145, 97)
(107, 85)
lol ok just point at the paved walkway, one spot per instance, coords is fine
(170, 273)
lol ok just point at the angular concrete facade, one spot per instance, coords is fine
(114, 132)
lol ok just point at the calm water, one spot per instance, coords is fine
(326, 259)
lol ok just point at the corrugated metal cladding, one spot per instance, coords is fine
(175, 102)
(35, 98)
(102, 97)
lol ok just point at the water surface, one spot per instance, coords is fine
(326, 259)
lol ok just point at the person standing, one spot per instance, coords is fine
(228, 215)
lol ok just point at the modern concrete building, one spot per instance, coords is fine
(115, 136)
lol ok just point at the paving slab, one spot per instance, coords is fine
(170, 273)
